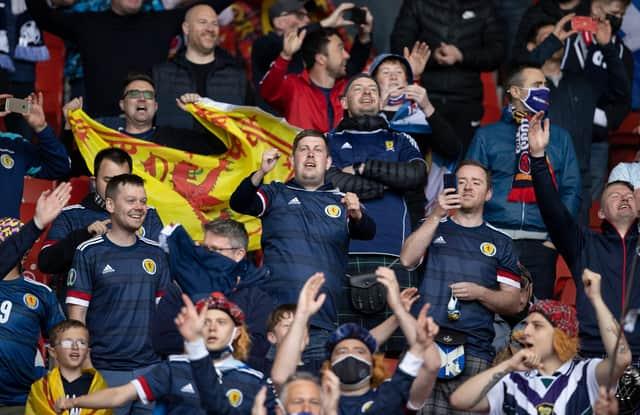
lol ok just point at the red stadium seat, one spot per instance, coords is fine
(80, 188)
(490, 101)
(49, 80)
(32, 190)
(565, 288)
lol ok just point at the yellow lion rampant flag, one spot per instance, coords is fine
(193, 189)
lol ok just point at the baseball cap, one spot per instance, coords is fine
(287, 6)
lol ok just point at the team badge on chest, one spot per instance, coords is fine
(365, 406)
(30, 301)
(235, 397)
(149, 265)
(333, 211)
(6, 161)
(488, 249)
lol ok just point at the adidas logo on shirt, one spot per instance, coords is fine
(188, 388)
(107, 269)
(294, 201)
(346, 146)
(440, 240)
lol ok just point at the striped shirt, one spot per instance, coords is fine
(120, 287)
(481, 255)
(26, 309)
(572, 389)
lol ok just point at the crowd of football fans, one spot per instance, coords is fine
(409, 264)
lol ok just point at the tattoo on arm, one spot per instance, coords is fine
(494, 380)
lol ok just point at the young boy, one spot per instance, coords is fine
(278, 325)
(70, 349)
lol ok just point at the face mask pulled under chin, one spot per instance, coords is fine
(537, 99)
(353, 372)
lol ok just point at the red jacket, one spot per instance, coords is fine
(302, 103)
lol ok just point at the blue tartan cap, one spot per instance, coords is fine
(351, 331)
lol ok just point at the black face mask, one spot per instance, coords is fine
(352, 371)
(616, 23)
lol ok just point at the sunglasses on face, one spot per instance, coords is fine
(136, 93)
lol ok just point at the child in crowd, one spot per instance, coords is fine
(71, 377)
(278, 325)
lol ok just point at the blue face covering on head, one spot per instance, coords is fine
(537, 99)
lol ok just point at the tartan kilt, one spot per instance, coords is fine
(367, 263)
(438, 402)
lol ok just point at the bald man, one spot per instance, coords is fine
(204, 68)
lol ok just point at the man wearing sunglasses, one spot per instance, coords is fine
(139, 105)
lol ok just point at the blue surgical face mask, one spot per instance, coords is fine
(537, 99)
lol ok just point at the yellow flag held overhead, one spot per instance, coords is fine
(193, 189)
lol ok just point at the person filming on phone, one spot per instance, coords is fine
(503, 148)
(20, 157)
(471, 273)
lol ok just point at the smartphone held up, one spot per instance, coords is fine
(357, 15)
(584, 24)
(20, 106)
(450, 181)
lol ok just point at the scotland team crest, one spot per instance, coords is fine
(488, 248)
(333, 211)
(6, 161)
(235, 397)
(149, 266)
(30, 301)
(365, 406)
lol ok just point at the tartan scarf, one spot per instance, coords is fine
(29, 39)
(522, 185)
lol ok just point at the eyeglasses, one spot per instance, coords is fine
(220, 250)
(300, 14)
(136, 93)
(69, 343)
